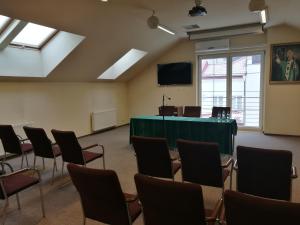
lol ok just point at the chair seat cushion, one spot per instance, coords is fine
(56, 150)
(176, 166)
(26, 147)
(18, 182)
(90, 156)
(134, 207)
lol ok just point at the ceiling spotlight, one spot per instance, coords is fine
(198, 10)
(257, 5)
(153, 23)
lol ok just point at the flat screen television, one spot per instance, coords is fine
(174, 73)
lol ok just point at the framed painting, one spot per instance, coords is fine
(285, 63)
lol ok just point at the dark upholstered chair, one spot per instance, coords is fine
(244, 209)
(153, 157)
(71, 150)
(14, 182)
(42, 146)
(220, 110)
(192, 111)
(172, 203)
(168, 110)
(264, 172)
(102, 198)
(13, 144)
(201, 163)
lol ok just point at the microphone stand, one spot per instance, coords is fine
(163, 112)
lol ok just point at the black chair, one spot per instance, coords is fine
(71, 150)
(42, 146)
(168, 110)
(14, 144)
(153, 157)
(192, 111)
(101, 196)
(264, 172)
(244, 209)
(15, 182)
(216, 111)
(173, 203)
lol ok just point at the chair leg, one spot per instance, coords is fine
(43, 163)
(42, 199)
(26, 159)
(54, 166)
(4, 211)
(84, 220)
(62, 168)
(22, 160)
(18, 201)
(103, 162)
(34, 161)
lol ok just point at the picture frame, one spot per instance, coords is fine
(285, 63)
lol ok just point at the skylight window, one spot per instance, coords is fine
(123, 64)
(3, 21)
(33, 35)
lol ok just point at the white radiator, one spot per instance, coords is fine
(18, 128)
(104, 119)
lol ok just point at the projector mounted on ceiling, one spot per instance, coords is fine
(198, 10)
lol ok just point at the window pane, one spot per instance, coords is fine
(33, 35)
(3, 21)
(214, 76)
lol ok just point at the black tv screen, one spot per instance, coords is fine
(174, 73)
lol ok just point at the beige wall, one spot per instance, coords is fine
(282, 103)
(64, 106)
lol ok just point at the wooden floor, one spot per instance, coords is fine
(62, 201)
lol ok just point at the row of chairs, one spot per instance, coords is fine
(166, 202)
(194, 111)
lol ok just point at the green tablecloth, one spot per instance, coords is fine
(190, 128)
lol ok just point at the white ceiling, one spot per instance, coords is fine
(113, 28)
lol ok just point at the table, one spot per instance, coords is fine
(190, 128)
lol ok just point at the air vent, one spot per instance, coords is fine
(191, 27)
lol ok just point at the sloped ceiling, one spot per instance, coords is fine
(113, 28)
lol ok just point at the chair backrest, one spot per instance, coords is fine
(168, 110)
(10, 141)
(216, 110)
(200, 162)
(264, 172)
(41, 144)
(69, 146)
(170, 203)
(244, 209)
(153, 156)
(192, 111)
(101, 196)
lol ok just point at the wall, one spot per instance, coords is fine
(64, 106)
(144, 94)
(282, 101)
(282, 104)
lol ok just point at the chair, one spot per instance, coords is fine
(220, 110)
(201, 163)
(42, 146)
(192, 111)
(244, 209)
(172, 203)
(264, 172)
(153, 157)
(101, 196)
(168, 110)
(12, 144)
(71, 150)
(14, 182)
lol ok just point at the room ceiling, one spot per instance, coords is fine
(113, 28)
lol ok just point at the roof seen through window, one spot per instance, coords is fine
(33, 35)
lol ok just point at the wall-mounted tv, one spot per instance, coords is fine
(174, 73)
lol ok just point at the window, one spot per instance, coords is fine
(232, 80)
(3, 22)
(33, 36)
